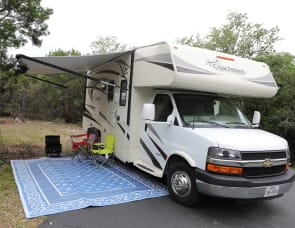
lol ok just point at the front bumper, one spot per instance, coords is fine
(241, 187)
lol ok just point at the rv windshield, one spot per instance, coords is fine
(203, 111)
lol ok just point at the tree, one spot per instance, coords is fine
(107, 44)
(6, 82)
(60, 52)
(70, 101)
(238, 37)
(279, 112)
(21, 20)
(35, 99)
(245, 39)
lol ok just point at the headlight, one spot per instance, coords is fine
(288, 155)
(221, 153)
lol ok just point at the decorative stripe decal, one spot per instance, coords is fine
(90, 106)
(182, 64)
(91, 90)
(191, 71)
(165, 57)
(128, 137)
(87, 115)
(149, 153)
(271, 84)
(166, 65)
(95, 88)
(159, 149)
(103, 116)
(152, 129)
(124, 68)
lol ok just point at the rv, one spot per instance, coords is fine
(171, 108)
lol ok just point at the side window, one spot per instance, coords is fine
(163, 107)
(123, 93)
(111, 91)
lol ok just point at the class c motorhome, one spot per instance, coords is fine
(171, 110)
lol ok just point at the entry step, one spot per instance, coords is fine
(148, 167)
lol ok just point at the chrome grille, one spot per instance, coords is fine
(263, 155)
(264, 171)
(256, 155)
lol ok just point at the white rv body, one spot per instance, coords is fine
(202, 70)
(180, 147)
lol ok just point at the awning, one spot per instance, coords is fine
(66, 64)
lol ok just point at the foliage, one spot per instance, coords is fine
(22, 19)
(70, 101)
(36, 99)
(107, 44)
(29, 98)
(279, 112)
(242, 38)
(60, 52)
(6, 82)
(238, 37)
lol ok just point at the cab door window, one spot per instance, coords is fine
(163, 107)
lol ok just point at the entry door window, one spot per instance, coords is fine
(163, 107)
(123, 93)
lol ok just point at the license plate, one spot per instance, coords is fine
(271, 191)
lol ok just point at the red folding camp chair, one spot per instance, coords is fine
(82, 143)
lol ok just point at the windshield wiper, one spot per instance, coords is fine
(212, 123)
(240, 124)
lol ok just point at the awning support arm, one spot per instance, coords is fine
(43, 80)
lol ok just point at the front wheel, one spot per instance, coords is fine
(181, 181)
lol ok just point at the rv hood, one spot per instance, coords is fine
(243, 139)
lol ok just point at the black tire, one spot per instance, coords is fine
(181, 182)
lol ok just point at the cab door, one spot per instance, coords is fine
(158, 135)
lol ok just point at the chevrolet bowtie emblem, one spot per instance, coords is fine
(267, 163)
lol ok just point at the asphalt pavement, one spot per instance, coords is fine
(164, 212)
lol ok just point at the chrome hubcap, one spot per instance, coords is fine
(181, 183)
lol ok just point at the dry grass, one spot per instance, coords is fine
(24, 140)
(32, 133)
(11, 211)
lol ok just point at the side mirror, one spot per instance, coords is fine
(148, 112)
(256, 119)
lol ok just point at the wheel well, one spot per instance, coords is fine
(174, 159)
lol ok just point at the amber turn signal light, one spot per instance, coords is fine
(224, 169)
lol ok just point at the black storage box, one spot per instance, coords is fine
(52, 145)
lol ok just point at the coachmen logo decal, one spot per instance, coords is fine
(224, 68)
(267, 163)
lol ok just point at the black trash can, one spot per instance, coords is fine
(52, 145)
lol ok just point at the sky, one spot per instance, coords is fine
(75, 23)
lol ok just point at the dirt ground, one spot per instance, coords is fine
(26, 140)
